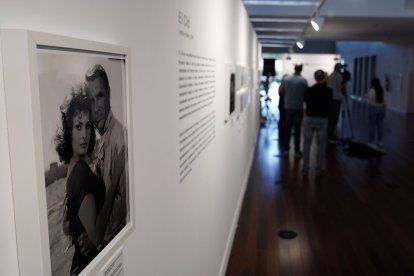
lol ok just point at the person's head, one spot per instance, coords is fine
(76, 138)
(100, 92)
(375, 82)
(338, 67)
(320, 76)
(298, 68)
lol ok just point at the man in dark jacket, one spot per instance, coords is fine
(318, 99)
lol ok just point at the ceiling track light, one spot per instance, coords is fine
(300, 43)
(317, 22)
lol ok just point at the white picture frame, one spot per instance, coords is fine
(20, 53)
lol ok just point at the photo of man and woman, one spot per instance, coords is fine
(85, 153)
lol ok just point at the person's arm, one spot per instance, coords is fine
(84, 240)
(281, 88)
(65, 222)
(340, 84)
(306, 97)
(86, 246)
(121, 208)
(93, 222)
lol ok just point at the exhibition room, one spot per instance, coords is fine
(204, 138)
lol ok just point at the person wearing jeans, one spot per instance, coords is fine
(293, 119)
(318, 125)
(294, 89)
(376, 123)
(376, 103)
(318, 99)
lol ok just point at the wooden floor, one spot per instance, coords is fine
(358, 219)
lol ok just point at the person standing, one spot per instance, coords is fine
(376, 103)
(318, 99)
(111, 149)
(294, 90)
(282, 103)
(335, 82)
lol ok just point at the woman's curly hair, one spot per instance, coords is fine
(78, 100)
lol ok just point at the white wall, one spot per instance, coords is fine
(310, 62)
(392, 59)
(8, 261)
(182, 228)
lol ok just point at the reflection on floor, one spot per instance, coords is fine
(357, 219)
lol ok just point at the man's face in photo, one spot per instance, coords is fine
(100, 102)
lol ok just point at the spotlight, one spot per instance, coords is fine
(317, 22)
(300, 43)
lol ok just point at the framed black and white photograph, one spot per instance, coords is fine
(232, 92)
(78, 139)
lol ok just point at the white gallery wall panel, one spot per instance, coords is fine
(191, 155)
(8, 263)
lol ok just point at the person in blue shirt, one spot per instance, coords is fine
(294, 92)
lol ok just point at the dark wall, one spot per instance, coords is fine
(269, 67)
